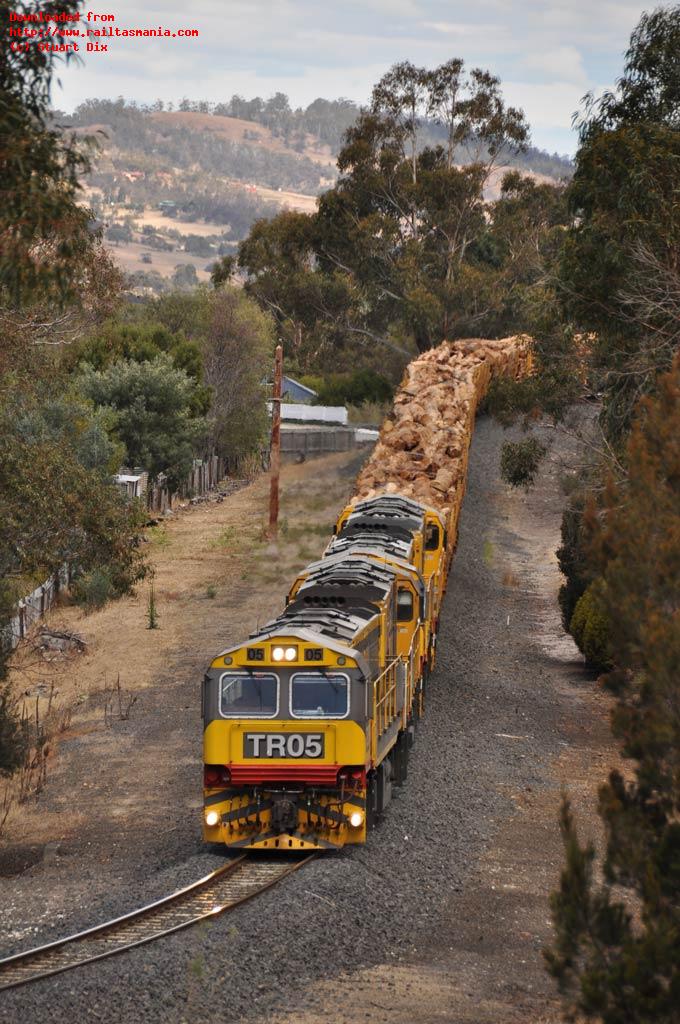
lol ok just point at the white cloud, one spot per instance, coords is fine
(564, 63)
(547, 54)
(460, 28)
(549, 105)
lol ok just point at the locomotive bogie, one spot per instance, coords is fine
(265, 817)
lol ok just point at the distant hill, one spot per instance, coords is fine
(264, 142)
(178, 187)
(238, 131)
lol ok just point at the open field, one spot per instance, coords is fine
(128, 254)
(129, 258)
(153, 218)
(291, 200)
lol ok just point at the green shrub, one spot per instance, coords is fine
(520, 461)
(357, 388)
(93, 589)
(572, 559)
(589, 627)
(151, 609)
(369, 413)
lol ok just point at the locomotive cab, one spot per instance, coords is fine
(287, 739)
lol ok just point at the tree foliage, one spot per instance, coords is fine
(323, 121)
(57, 506)
(649, 89)
(399, 248)
(57, 502)
(311, 308)
(520, 461)
(620, 961)
(42, 227)
(237, 343)
(142, 339)
(572, 558)
(620, 269)
(589, 626)
(235, 339)
(403, 219)
(356, 388)
(152, 406)
(608, 313)
(12, 738)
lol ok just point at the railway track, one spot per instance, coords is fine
(220, 891)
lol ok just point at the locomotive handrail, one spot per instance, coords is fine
(389, 692)
(410, 660)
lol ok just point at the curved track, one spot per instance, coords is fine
(222, 890)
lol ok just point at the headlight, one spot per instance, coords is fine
(277, 654)
(356, 819)
(291, 653)
(212, 817)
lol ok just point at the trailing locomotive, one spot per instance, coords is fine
(308, 724)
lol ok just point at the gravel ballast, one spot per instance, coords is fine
(362, 906)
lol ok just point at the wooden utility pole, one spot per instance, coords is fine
(276, 446)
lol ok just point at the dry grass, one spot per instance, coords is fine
(129, 257)
(44, 719)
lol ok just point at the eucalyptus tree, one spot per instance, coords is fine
(43, 229)
(403, 217)
(621, 268)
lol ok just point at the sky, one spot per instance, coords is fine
(547, 55)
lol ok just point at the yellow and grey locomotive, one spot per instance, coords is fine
(308, 724)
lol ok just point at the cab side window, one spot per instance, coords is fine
(404, 605)
(432, 537)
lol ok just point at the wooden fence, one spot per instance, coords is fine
(33, 607)
(204, 477)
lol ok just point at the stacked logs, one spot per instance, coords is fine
(423, 446)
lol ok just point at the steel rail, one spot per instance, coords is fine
(215, 894)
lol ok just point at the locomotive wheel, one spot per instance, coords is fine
(379, 791)
(384, 781)
(423, 689)
(401, 759)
